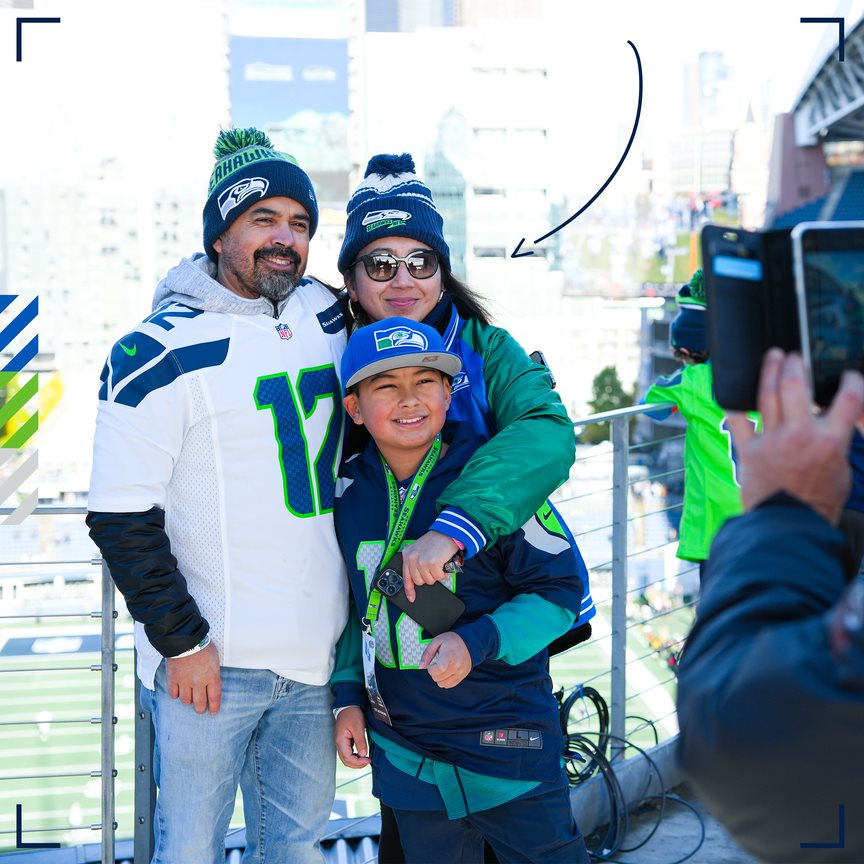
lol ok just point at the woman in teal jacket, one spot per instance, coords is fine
(395, 262)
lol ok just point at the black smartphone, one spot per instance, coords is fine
(435, 608)
(829, 282)
(751, 306)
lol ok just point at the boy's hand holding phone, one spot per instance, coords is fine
(447, 659)
(350, 737)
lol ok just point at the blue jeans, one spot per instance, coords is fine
(273, 737)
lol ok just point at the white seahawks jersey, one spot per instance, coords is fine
(232, 423)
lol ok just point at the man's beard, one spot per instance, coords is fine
(276, 285)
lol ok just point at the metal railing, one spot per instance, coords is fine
(619, 424)
(107, 668)
(610, 583)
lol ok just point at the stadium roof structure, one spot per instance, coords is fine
(831, 104)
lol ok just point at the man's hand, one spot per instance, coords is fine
(195, 680)
(799, 452)
(446, 659)
(423, 561)
(350, 735)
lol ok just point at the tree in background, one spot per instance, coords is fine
(609, 395)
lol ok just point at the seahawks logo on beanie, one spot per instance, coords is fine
(234, 195)
(249, 169)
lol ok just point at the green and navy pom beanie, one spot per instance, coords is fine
(391, 201)
(688, 329)
(248, 170)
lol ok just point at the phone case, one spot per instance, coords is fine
(830, 307)
(735, 297)
(436, 608)
(751, 303)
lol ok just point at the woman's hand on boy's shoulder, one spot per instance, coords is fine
(350, 737)
(447, 659)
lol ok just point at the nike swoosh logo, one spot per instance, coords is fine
(130, 351)
(546, 515)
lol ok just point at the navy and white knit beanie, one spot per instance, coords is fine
(688, 329)
(248, 170)
(391, 201)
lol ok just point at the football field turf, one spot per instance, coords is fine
(49, 745)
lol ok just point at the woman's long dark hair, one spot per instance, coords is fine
(468, 303)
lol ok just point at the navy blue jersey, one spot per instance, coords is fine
(533, 570)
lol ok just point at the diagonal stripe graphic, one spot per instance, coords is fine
(16, 401)
(23, 510)
(19, 323)
(14, 416)
(20, 475)
(24, 356)
(22, 435)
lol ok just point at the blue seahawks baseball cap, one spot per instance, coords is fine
(395, 343)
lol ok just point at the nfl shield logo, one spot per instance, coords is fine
(284, 331)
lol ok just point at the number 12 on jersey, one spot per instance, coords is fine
(309, 484)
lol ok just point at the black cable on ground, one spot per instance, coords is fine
(585, 694)
(644, 797)
(620, 809)
(678, 800)
(594, 757)
(617, 828)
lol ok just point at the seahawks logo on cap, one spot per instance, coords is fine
(396, 337)
(236, 194)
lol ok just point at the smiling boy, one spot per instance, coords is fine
(465, 732)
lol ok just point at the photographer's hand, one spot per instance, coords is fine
(799, 452)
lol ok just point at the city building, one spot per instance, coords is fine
(103, 192)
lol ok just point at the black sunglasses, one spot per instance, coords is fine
(382, 266)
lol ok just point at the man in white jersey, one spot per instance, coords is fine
(217, 442)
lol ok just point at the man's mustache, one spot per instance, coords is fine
(279, 252)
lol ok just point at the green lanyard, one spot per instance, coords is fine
(399, 517)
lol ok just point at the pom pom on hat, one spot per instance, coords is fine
(697, 286)
(247, 171)
(688, 329)
(387, 163)
(232, 140)
(391, 201)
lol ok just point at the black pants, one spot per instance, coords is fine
(390, 846)
(539, 828)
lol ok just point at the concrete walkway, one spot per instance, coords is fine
(679, 834)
